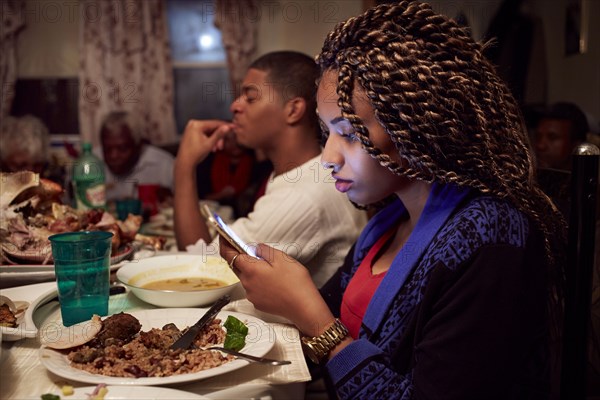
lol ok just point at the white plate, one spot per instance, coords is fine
(132, 392)
(260, 339)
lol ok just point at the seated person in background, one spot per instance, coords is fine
(451, 289)
(129, 161)
(230, 173)
(24, 144)
(300, 212)
(559, 130)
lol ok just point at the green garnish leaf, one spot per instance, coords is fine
(236, 333)
(50, 396)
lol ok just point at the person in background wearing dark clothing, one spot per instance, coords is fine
(559, 130)
(230, 173)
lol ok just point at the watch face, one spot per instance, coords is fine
(310, 353)
(318, 348)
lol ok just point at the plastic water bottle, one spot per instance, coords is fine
(89, 180)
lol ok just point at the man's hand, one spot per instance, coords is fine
(199, 139)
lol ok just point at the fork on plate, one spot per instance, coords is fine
(262, 360)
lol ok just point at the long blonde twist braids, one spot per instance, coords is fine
(441, 102)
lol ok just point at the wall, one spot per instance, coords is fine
(301, 25)
(573, 78)
(48, 47)
(478, 13)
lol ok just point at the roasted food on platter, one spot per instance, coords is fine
(31, 211)
(116, 346)
(155, 242)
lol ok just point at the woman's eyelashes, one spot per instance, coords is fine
(341, 127)
(345, 129)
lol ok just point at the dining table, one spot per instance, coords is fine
(25, 377)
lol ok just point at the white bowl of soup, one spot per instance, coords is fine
(179, 280)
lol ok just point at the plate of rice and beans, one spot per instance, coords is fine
(132, 353)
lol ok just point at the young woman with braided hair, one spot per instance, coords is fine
(451, 290)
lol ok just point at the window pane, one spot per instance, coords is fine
(53, 100)
(194, 37)
(201, 93)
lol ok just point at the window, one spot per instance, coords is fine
(202, 87)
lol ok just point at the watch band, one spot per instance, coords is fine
(318, 347)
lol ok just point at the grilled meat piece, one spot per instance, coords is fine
(120, 326)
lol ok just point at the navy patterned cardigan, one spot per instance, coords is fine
(461, 313)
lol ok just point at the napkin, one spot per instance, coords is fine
(246, 307)
(287, 347)
(201, 248)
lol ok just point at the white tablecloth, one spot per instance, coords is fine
(24, 377)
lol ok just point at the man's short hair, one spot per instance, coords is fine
(292, 74)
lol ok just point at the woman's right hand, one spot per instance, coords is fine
(278, 284)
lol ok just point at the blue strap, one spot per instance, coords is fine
(377, 226)
(441, 203)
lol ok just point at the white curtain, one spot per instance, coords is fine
(126, 65)
(11, 22)
(237, 20)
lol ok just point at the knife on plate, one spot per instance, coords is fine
(188, 337)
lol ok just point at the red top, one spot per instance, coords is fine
(361, 288)
(222, 175)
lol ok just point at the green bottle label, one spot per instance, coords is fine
(90, 195)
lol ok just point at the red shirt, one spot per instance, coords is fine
(222, 174)
(361, 288)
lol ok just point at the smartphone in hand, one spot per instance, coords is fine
(224, 230)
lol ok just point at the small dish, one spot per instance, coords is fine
(24, 329)
(135, 275)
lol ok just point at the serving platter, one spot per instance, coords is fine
(260, 340)
(23, 274)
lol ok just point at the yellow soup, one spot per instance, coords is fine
(184, 284)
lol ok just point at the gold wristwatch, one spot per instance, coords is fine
(318, 347)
